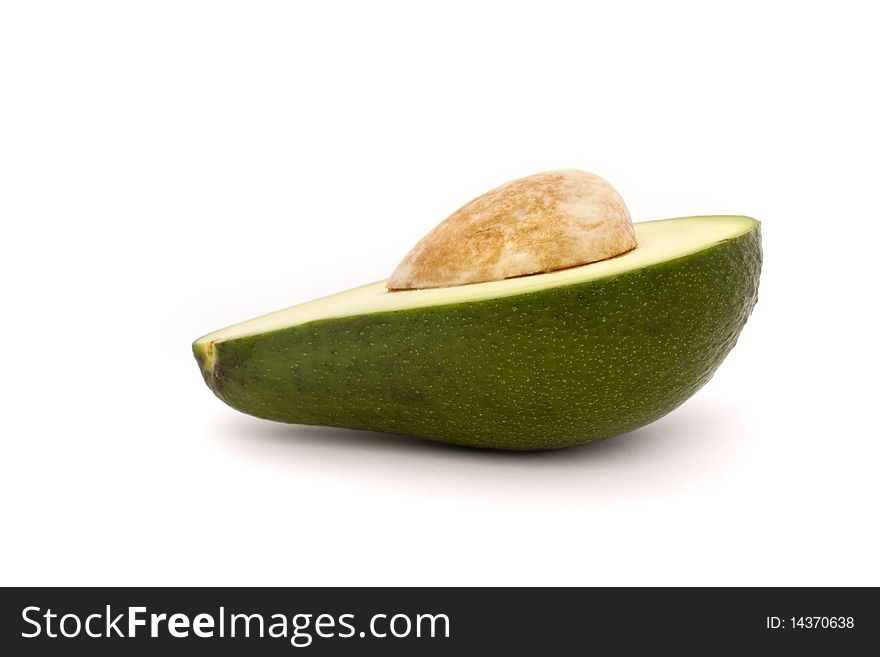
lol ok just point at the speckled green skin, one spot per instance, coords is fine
(548, 369)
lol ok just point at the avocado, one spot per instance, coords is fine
(542, 361)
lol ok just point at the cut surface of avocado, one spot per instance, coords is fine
(539, 362)
(659, 241)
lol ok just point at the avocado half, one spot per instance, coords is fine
(538, 362)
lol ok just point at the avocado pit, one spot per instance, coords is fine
(537, 224)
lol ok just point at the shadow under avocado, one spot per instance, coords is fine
(697, 441)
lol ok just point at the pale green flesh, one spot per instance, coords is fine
(658, 241)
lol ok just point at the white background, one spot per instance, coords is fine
(168, 168)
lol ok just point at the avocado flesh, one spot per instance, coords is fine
(543, 361)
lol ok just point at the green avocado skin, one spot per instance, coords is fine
(542, 370)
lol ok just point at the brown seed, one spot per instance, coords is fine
(540, 223)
